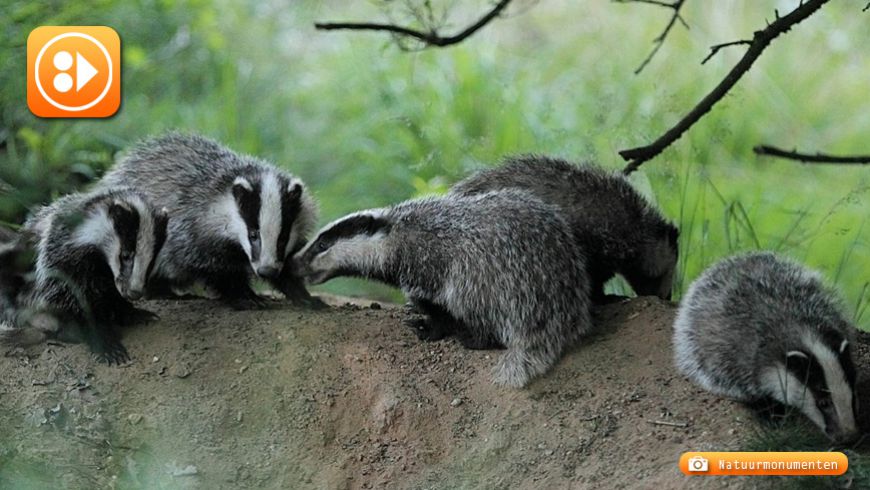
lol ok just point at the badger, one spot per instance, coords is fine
(233, 217)
(500, 266)
(619, 230)
(94, 254)
(759, 328)
(15, 275)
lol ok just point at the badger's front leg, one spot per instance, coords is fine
(435, 324)
(293, 288)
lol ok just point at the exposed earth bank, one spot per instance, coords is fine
(349, 398)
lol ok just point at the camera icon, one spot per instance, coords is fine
(698, 464)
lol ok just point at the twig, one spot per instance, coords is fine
(716, 47)
(773, 151)
(660, 40)
(431, 38)
(760, 40)
(669, 424)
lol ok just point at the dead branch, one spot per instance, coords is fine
(431, 38)
(760, 41)
(772, 151)
(716, 47)
(660, 40)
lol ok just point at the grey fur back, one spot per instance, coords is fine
(617, 227)
(743, 314)
(504, 264)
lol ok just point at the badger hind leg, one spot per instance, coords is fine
(529, 354)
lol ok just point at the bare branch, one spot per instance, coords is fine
(773, 151)
(431, 38)
(660, 40)
(716, 47)
(760, 40)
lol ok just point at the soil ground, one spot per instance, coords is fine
(349, 398)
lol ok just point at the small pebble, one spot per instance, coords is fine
(456, 402)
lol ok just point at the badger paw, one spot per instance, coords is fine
(110, 351)
(424, 329)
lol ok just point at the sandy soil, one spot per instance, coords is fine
(349, 398)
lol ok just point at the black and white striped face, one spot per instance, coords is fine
(820, 381)
(265, 221)
(350, 246)
(130, 235)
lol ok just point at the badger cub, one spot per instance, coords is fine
(502, 266)
(760, 328)
(619, 230)
(233, 216)
(94, 254)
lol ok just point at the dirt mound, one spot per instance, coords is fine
(349, 398)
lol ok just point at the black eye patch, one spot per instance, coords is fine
(353, 226)
(248, 202)
(291, 205)
(126, 224)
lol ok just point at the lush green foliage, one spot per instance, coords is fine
(366, 124)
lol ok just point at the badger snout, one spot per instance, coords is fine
(268, 271)
(129, 291)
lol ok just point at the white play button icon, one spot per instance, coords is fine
(84, 71)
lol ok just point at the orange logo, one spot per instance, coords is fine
(73, 71)
(764, 463)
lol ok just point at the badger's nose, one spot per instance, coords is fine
(267, 271)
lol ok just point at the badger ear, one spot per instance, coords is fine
(798, 363)
(162, 219)
(294, 191)
(241, 187)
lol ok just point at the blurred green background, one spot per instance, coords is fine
(367, 124)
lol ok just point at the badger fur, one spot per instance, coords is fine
(619, 230)
(95, 253)
(233, 216)
(500, 265)
(758, 327)
(16, 264)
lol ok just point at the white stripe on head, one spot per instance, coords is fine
(145, 242)
(225, 218)
(786, 388)
(270, 220)
(835, 378)
(97, 229)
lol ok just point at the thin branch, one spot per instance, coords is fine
(431, 38)
(773, 151)
(660, 40)
(716, 47)
(760, 40)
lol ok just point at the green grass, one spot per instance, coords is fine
(796, 433)
(368, 125)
